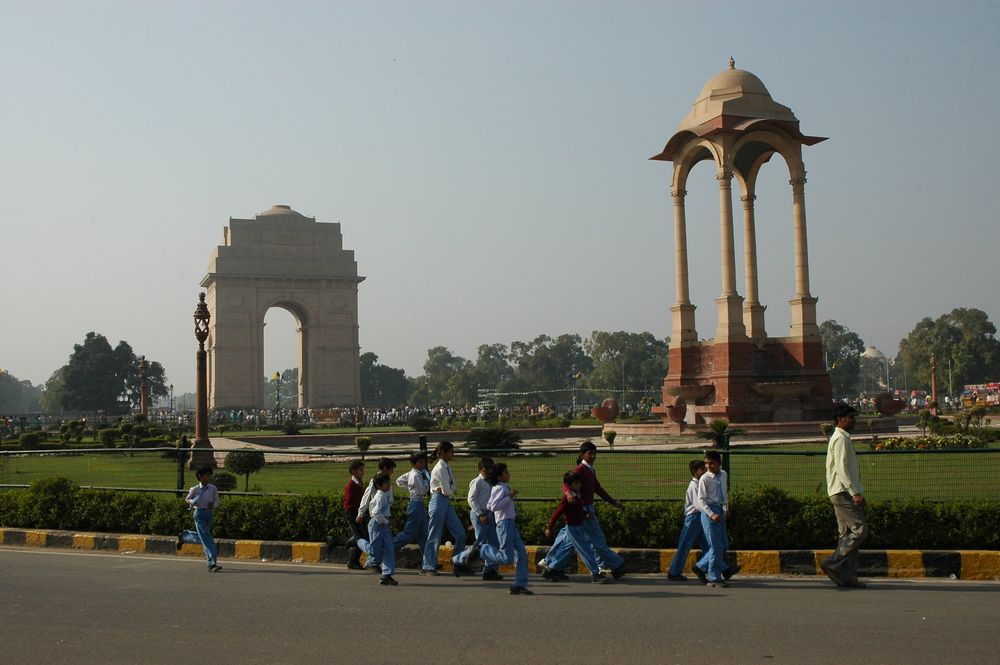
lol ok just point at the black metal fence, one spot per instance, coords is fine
(537, 473)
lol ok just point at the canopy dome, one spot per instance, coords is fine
(735, 93)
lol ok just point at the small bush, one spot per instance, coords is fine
(363, 443)
(423, 423)
(108, 437)
(29, 441)
(224, 481)
(493, 438)
(291, 427)
(244, 462)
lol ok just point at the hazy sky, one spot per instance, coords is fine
(488, 163)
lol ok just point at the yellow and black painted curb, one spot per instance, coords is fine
(965, 564)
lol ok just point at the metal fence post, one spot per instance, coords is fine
(181, 460)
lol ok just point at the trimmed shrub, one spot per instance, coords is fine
(423, 423)
(29, 441)
(243, 463)
(108, 437)
(224, 481)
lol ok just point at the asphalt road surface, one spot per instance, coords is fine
(76, 607)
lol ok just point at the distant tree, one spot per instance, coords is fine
(842, 349)
(382, 385)
(18, 396)
(637, 360)
(449, 378)
(101, 378)
(243, 463)
(545, 362)
(965, 336)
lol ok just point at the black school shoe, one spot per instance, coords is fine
(618, 572)
(459, 570)
(492, 576)
(702, 577)
(387, 580)
(431, 573)
(678, 578)
(520, 591)
(728, 573)
(180, 542)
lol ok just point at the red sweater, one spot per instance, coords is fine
(571, 512)
(352, 495)
(589, 485)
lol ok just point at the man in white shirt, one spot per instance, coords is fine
(843, 484)
(417, 483)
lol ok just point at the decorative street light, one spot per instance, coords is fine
(201, 449)
(277, 395)
(171, 399)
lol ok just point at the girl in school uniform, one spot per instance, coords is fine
(511, 548)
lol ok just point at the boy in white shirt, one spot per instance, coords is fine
(203, 499)
(441, 514)
(379, 547)
(692, 535)
(482, 517)
(713, 502)
(417, 483)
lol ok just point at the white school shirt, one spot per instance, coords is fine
(502, 503)
(689, 499)
(381, 506)
(415, 481)
(369, 496)
(203, 498)
(442, 479)
(479, 495)
(712, 491)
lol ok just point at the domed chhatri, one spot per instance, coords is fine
(742, 374)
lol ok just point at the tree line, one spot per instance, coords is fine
(99, 377)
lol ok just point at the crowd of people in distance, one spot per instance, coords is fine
(493, 512)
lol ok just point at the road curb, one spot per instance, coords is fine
(962, 564)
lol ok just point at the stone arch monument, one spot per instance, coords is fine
(281, 258)
(742, 374)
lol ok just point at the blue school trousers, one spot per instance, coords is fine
(562, 547)
(415, 530)
(511, 550)
(202, 535)
(713, 562)
(692, 535)
(441, 515)
(486, 534)
(379, 549)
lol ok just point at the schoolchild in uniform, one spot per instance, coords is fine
(385, 467)
(417, 483)
(482, 517)
(353, 492)
(692, 535)
(511, 550)
(441, 515)
(379, 548)
(712, 501)
(203, 498)
(571, 509)
(556, 557)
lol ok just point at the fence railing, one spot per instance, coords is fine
(536, 473)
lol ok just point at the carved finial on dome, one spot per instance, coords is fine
(732, 63)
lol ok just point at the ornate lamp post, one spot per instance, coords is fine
(144, 388)
(277, 395)
(201, 449)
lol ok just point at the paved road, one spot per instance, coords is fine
(74, 607)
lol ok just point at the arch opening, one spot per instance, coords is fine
(282, 357)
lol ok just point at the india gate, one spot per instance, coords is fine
(281, 258)
(742, 374)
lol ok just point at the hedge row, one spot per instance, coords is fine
(762, 518)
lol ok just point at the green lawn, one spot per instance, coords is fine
(629, 475)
